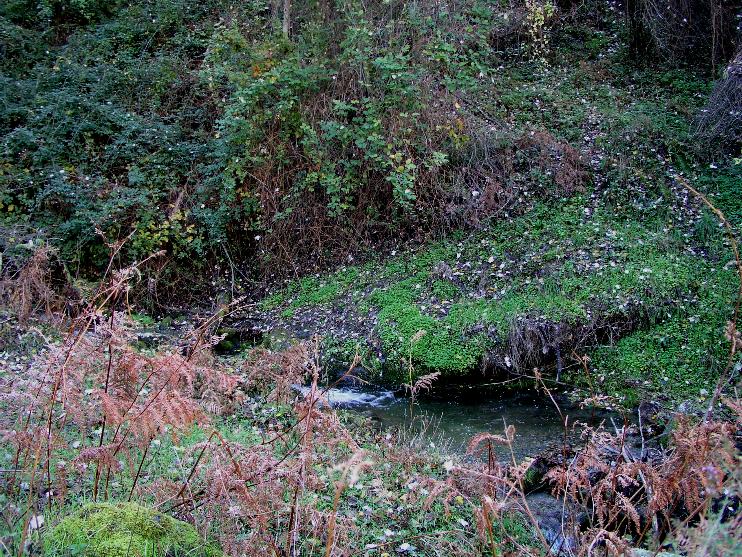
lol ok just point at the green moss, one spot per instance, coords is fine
(272, 302)
(144, 320)
(560, 266)
(640, 268)
(320, 295)
(676, 358)
(312, 291)
(125, 530)
(444, 346)
(444, 290)
(723, 186)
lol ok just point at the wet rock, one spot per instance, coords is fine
(651, 419)
(279, 339)
(151, 339)
(552, 457)
(235, 339)
(559, 523)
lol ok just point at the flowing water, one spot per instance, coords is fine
(452, 423)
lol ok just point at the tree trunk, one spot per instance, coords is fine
(286, 18)
(329, 18)
(638, 39)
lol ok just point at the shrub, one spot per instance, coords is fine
(100, 132)
(319, 156)
(44, 13)
(681, 31)
(201, 133)
(721, 121)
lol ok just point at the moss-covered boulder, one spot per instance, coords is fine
(125, 530)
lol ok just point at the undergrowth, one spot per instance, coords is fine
(262, 470)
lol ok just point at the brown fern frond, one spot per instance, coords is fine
(104, 456)
(424, 383)
(481, 438)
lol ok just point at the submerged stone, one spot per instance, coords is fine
(125, 530)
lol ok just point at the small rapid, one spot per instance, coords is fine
(354, 398)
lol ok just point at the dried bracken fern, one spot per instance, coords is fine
(97, 397)
(282, 371)
(255, 491)
(37, 287)
(481, 438)
(622, 492)
(422, 383)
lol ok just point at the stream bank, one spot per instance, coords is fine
(538, 290)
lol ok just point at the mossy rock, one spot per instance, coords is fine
(125, 530)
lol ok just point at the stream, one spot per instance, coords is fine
(450, 424)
